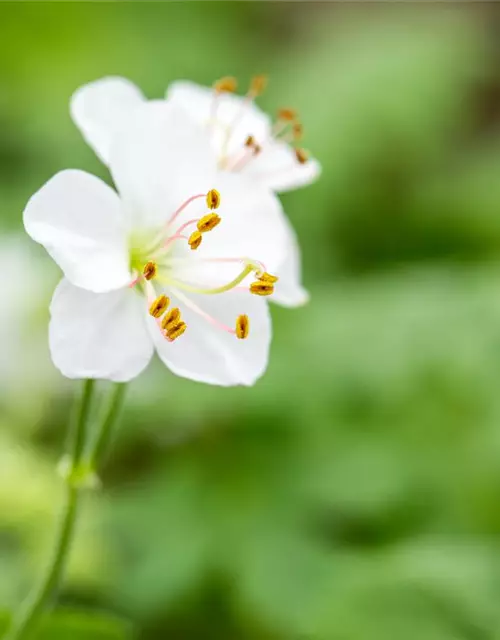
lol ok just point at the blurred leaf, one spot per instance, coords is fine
(78, 625)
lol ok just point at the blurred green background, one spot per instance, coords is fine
(354, 493)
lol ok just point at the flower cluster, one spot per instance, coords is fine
(182, 256)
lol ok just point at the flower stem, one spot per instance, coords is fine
(78, 472)
(29, 617)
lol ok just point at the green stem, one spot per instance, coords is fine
(104, 435)
(29, 617)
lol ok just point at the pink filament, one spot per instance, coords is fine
(184, 205)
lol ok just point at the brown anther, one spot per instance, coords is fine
(159, 306)
(256, 149)
(208, 222)
(213, 199)
(301, 155)
(268, 277)
(298, 131)
(228, 84)
(176, 330)
(194, 240)
(261, 288)
(258, 85)
(171, 318)
(289, 115)
(242, 327)
(150, 270)
(250, 141)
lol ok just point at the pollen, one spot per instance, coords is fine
(242, 327)
(258, 85)
(176, 330)
(159, 306)
(194, 240)
(228, 84)
(268, 277)
(289, 115)
(171, 318)
(301, 155)
(150, 270)
(208, 222)
(261, 288)
(213, 199)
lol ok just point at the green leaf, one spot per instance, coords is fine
(67, 624)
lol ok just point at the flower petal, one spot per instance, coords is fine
(100, 108)
(244, 117)
(98, 335)
(158, 160)
(289, 291)
(277, 168)
(79, 220)
(209, 354)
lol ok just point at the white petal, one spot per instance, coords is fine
(253, 226)
(289, 291)
(79, 220)
(208, 354)
(100, 108)
(245, 118)
(159, 160)
(98, 335)
(277, 168)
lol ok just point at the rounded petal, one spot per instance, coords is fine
(277, 168)
(79, 220)
(98, 335)
(100, 108)
(289, 291)
(158, 160)
(242, 116)
(209, 354)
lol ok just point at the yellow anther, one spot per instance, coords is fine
(289, 115)
(194, 240)
(261, 288)
(171, 318)
(250, 141)
(298, 131)
(208, 222)
(228, 84)
(150, 270)
(258, 85)
(268, 277)
(301, 155)
(159, 306)
(213, 199)
(176, 330)
(242, 326)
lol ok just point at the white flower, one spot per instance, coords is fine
(124, 255)
(242, 138)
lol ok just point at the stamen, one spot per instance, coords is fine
(258, 85)
(298, 131)
(242, 327)
(194, 240)
(301, 155)
(150, 270)
(176, 330)
(213, 199)
(185, 204)
(227, 84)
(289, 115)
(159, 306)
(208, 222)
(171, 318)
(260, 288)
(268, 277)
(250, 141)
